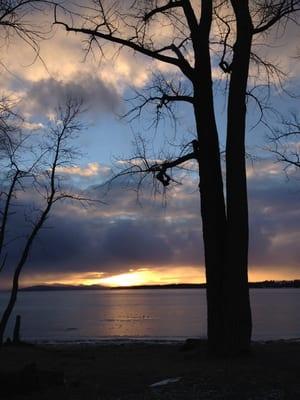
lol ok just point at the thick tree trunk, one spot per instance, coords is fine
(213, 225)
(225, 233)
(212, 199)
(236, 300)
(211, 183)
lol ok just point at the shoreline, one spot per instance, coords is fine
(132, 371)
(57, 287)
(107, 341)
(111, 341)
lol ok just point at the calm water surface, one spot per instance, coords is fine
(156, 314)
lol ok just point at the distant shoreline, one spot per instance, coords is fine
(252, 285)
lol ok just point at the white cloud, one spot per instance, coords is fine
(90, 170)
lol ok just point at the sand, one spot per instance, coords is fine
(127, 371)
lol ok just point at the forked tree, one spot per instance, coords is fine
(198, 33)
(42, 179)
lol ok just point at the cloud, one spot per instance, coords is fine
(61, 71)
(83, 176)
(274, 216)
(45, 95)
(32, 126)
(122, 235)
(102, 80)
(109, 238)
(62, 62)
(91, 169)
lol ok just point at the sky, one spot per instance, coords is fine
(150, 238)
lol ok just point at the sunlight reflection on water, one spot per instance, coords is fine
(163, 314)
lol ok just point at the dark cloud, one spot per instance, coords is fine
(122, 235)
(46, 94)
(274, 222)
(76, 243)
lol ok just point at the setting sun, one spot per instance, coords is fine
(149, 276)
(128, 279)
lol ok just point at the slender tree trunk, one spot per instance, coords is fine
(236, 301)
(69, 125)
(10, 305)
(24, 256)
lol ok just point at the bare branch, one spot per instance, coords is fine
(171, 4)
(285, 141)
(161, 95)
(132, 43)
(160, 170)
(273, 12)
(13, 20)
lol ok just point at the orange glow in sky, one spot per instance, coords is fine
(159, 276)
(132, 278)
(148, 276)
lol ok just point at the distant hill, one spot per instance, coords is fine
(253, 285)
(275, 284)
(60, 287)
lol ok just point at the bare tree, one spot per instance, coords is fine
(56, 152)
(198, 32)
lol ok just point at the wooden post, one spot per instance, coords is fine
(16, 337)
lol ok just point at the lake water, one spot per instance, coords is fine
(145, 314)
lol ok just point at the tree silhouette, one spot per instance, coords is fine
(198, 33)
(56, 151)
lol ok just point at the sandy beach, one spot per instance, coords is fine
(127, 371)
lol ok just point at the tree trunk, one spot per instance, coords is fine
(15, 286)
(236, 300)
(211, 183)
(10, 305)
(214, 229)
(225, 233)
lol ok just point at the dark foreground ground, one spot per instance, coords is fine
(96, 372)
